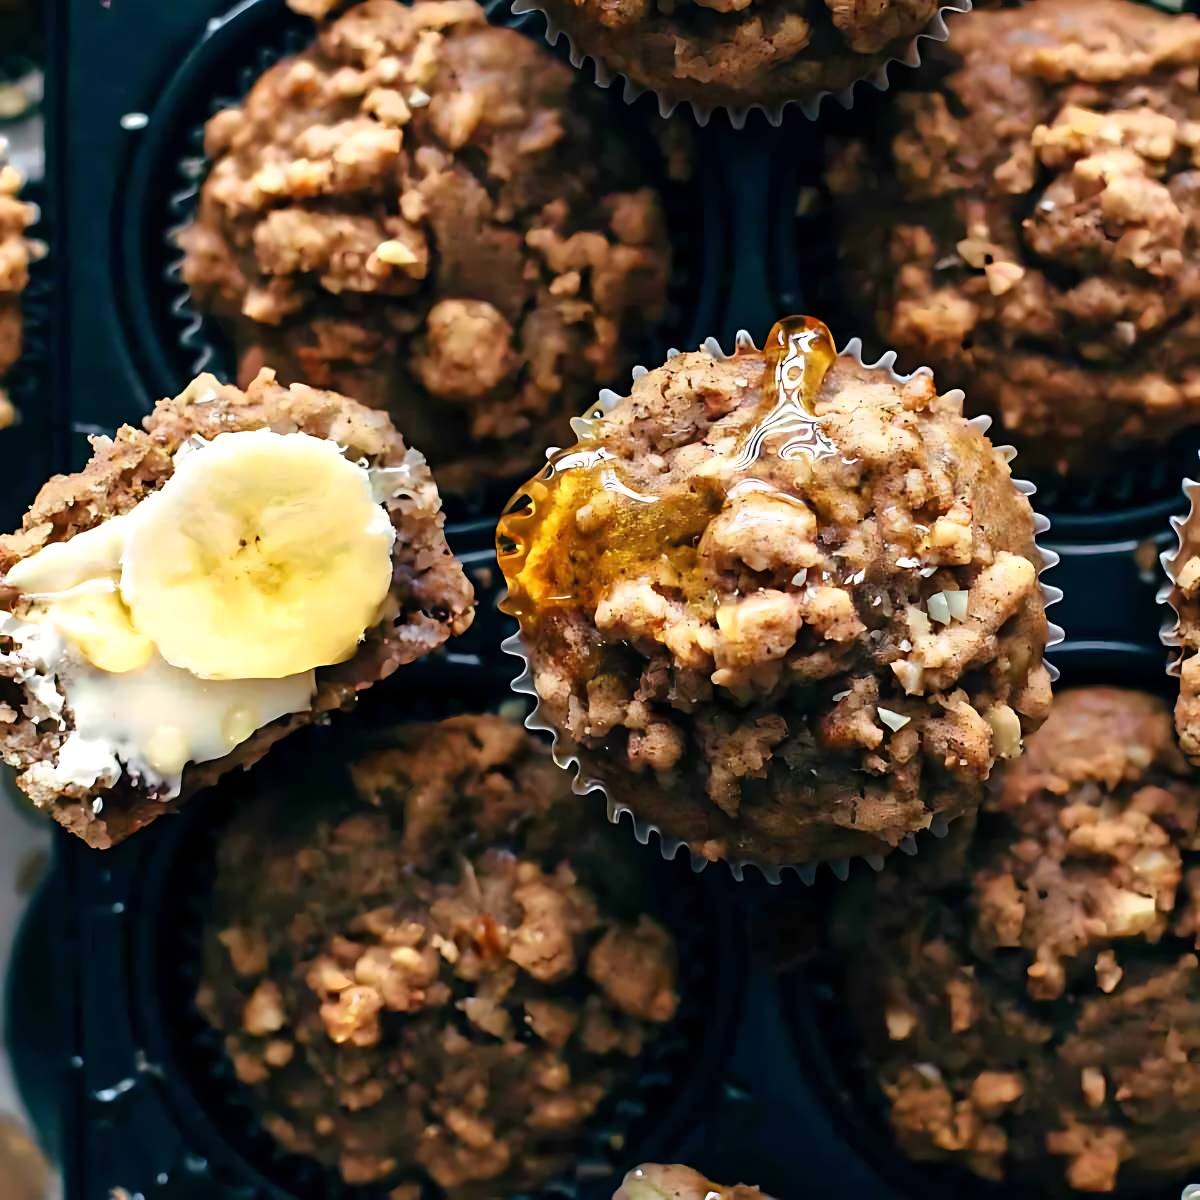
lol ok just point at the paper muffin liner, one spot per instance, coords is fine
(668, 1090)
(1172, 559)
(908, 56)
(199, 341)
(567, 757)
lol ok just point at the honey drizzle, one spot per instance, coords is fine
(551, 562)
(799, 352)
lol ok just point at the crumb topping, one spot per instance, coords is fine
(1029, 999)
(773, 651)
(1025, 223)
(417, 979)
(434, 216)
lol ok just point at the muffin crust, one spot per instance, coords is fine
(1029, 999)
(420, 982)
(436, 216)
(1025, 222)
(726, 53)
(15, 249)
(781, 638)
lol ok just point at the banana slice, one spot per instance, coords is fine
(95, 620)
(264, 555)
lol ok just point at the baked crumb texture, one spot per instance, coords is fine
(15, 248)
(430, 598)
(437, 217)
(412, 978)
(1026, 222)
(829, 655)
(741, 53)
(673, 1181)
(1030, 1006)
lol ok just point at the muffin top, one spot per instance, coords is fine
(738, 53)
(784, 605)
(434, 970)
(1029, 998)
(437, 217)
(1025, 221)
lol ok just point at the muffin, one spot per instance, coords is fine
(435, 216)
(242, 564)
(434, 969)
(15, 249)
(1024, 219)
(660, 1181)
(738, 55)
(1030, 1012)
(781, 605)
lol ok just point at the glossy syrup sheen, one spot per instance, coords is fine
(579, 526)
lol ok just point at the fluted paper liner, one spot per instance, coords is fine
(877, 77)
(1172, 560)
(583, 783)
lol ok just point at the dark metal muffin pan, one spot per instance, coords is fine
(129, 84)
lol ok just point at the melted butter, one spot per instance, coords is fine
(150, 721)
(579, 526)
(157, 719)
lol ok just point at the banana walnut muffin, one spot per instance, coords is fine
(738, 53)
(438, 217)
(1025, 220)
(1029, 1009)
(240, 566)
(783, 606)
(435, 969)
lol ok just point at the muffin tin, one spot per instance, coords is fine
(761, 1100)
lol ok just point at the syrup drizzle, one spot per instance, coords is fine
(578, 526)
(798, 353)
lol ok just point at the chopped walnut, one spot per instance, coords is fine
(445, 993)
(983, 979)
